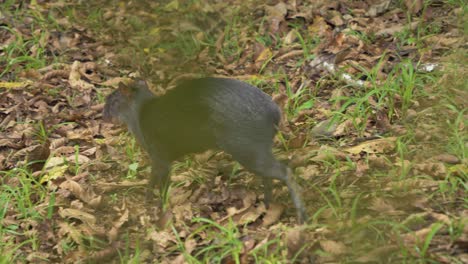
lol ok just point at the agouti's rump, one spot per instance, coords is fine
(201, 114)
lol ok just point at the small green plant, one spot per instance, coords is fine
(366, 38)
(132, 251)
(298, 99)
(26, 195)
(225, 242)
(307, 41)
(17, 55)
(232, 45)
(133, 153)
(21, 199)
(114, 198)
(459, 137)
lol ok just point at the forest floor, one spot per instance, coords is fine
(374, 99)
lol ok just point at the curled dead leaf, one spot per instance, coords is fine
(113, 233)
(276, 15)
(74, 79)
(78, 214)
(84, 195)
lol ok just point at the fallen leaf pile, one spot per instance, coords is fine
(371, 158)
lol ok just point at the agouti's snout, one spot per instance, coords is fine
(201, 114)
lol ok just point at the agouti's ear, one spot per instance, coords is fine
(125, 90)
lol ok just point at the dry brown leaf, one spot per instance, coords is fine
(414, 6)
(381, 206)
(379, 8)
(249, 216)
(414, 184)
(297, 141)
(344, 128)
(36, 257)
(62, 74)
(324, 129)
(290, 37)
(183, 212)
(263, 56)
(295, 240)
(378, 255)
(309, 172)
(114, 82)
(329, 154)
(319, 27)
(383, 145)
(71, 231)
(436, 170)
(395, 29)
(78, 159)
(97, 166)
(447, 158)
(162, 238)
(276, 15)
(110, 186)
(362, 167)
(164, 219)
(248, 244)
(273, 214)
(15, 85)
(333, 247)
(101, 255)
(248, 201)
(82, 134)
(445, 41)
(418, 236)
(113, 233)
(378, 162)
(179, 196)
(190, 245)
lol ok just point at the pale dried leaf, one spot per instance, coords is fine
(383, 145)
(333, 247)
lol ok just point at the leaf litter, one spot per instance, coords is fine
(319, 56)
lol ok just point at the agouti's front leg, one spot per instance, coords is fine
(159, 176)
(267, 185)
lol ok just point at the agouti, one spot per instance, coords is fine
(202, 114)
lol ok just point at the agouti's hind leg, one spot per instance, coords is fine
(274, 169)
(258, 158)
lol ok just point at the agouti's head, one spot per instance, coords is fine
(123, 104)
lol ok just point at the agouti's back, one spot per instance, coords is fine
(204, 113)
